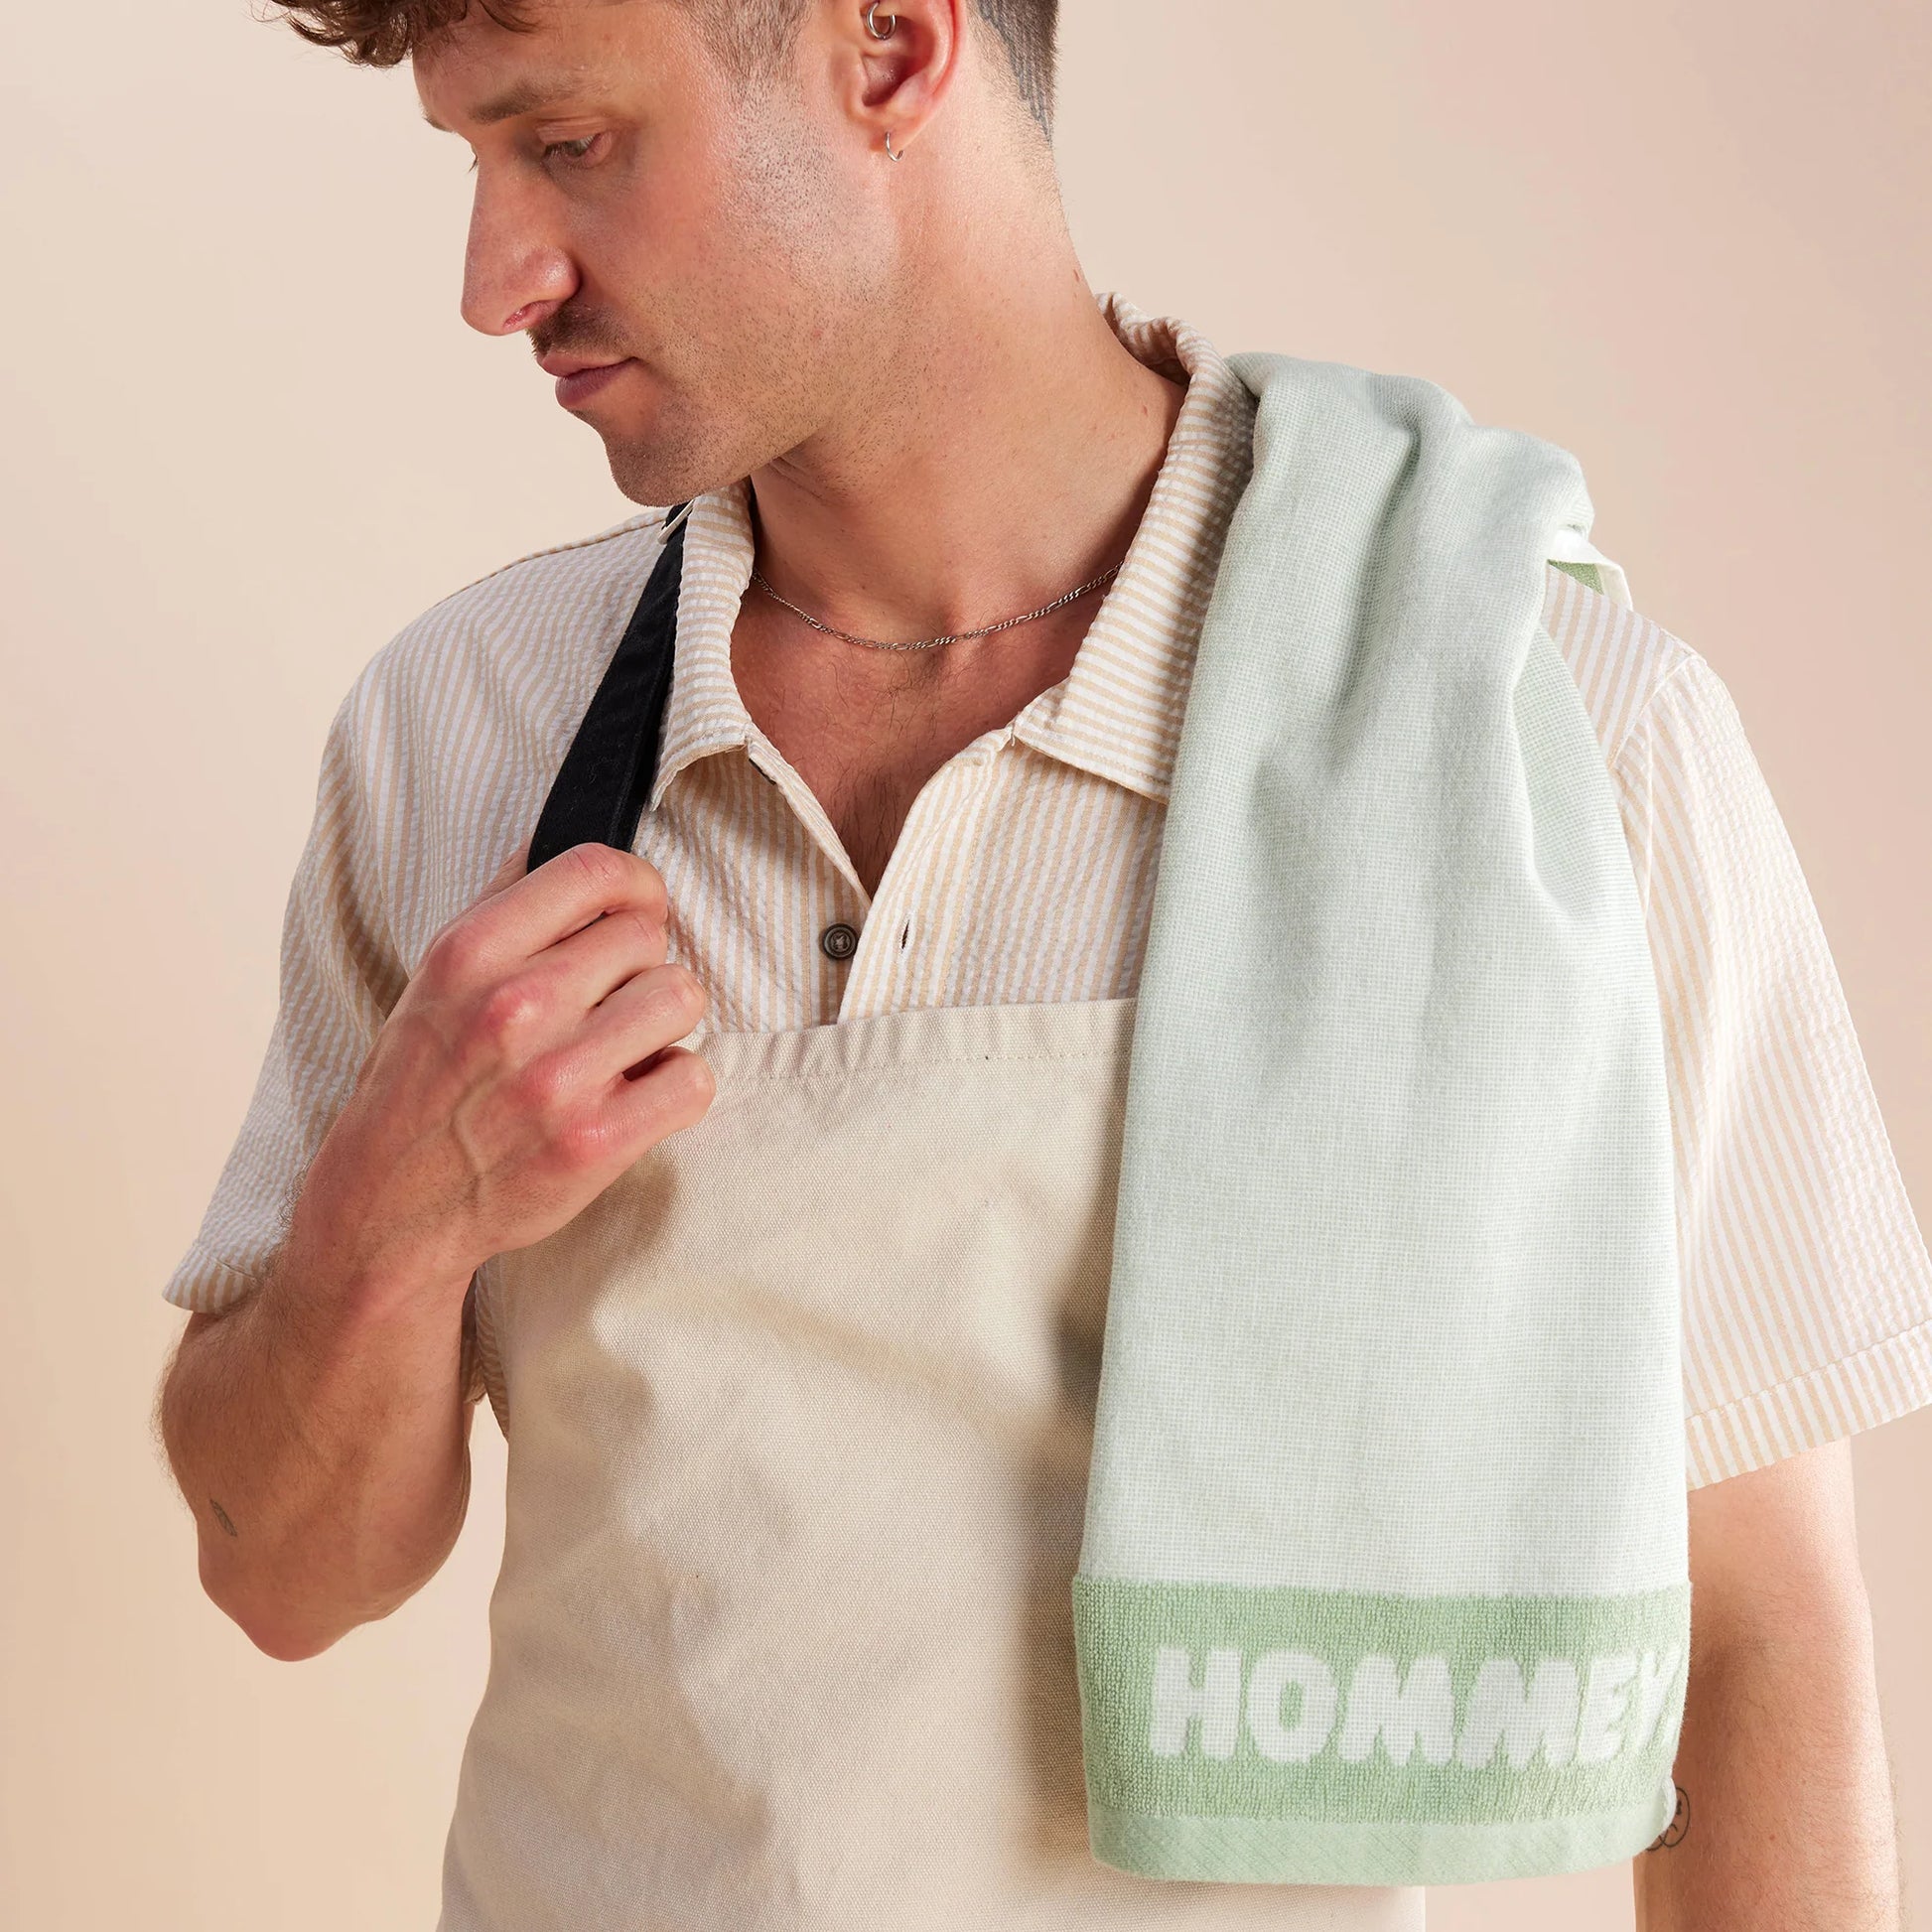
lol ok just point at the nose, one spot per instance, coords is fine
(514, 272)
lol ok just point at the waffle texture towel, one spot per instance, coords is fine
(1383, 1574)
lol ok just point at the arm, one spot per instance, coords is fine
(1790, 1824)
(322, 1439)
(319, 1429)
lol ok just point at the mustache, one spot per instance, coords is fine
(575, 335)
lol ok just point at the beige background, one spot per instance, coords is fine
(247, 437)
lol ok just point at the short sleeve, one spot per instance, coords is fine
(1807, 1286)
(338, 981)
(339, 977)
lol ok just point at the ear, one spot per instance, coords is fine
(900, 81)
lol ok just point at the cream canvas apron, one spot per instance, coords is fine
(799, 1413)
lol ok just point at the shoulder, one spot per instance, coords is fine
(451, 734)
(1620, 660)
(547, 614)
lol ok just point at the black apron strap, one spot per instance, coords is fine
(606, 776)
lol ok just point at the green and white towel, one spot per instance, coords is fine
(1383, 1578)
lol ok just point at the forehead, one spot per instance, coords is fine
(533, 94)
(479, 72)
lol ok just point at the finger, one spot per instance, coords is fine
(673, 1091)
(644, 1015)
(505, 875)
(584, 969)
(562, 897)
(614, 1116)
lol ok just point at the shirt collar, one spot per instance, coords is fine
(1118, 711)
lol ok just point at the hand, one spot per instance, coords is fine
(526, 1065)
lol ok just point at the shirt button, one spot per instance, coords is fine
(837, 941)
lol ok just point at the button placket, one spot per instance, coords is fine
(943, 814)
(805, 808)
(918, 976)
(869, 988)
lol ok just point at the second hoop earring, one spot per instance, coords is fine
(884, 34)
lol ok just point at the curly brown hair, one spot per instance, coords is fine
(750, 36)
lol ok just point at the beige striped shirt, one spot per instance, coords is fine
(1025, 872)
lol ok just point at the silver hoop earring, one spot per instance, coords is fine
(871, 23)
(888, 146)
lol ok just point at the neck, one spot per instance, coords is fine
(1003, 451)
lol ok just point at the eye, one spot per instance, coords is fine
(578, 150)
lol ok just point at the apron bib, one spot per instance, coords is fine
(799, 1413)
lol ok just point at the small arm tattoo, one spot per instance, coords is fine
(221, 1517)
(1673, 1833)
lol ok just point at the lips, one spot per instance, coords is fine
(578, 377)
(583, 381)
(561, 365)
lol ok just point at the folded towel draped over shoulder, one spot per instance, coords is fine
(1383, 1578)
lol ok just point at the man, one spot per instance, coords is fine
(802, 264)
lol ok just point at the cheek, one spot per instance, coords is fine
(740, 272)
(790, 200)
(685, 243)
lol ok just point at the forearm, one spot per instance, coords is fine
(318, 1434)
(321, 1430)
(1790, 1825)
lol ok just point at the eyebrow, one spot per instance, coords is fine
(526, 97)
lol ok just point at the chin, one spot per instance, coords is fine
(653, 489)
(667, 468)
(649, 473)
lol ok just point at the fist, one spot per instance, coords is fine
(529, 1061)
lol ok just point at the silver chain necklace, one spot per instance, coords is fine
(926, 644)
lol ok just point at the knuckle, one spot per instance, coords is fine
(452, 955)
(691, 993)
(598, 866)
(507, 1012)
(700, 1082)
(543, 1090)
(618, 878)
(596, 875)
(685, 1082)
(647, 930)
(673, 996)
(582, 1141)
(648, 885)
